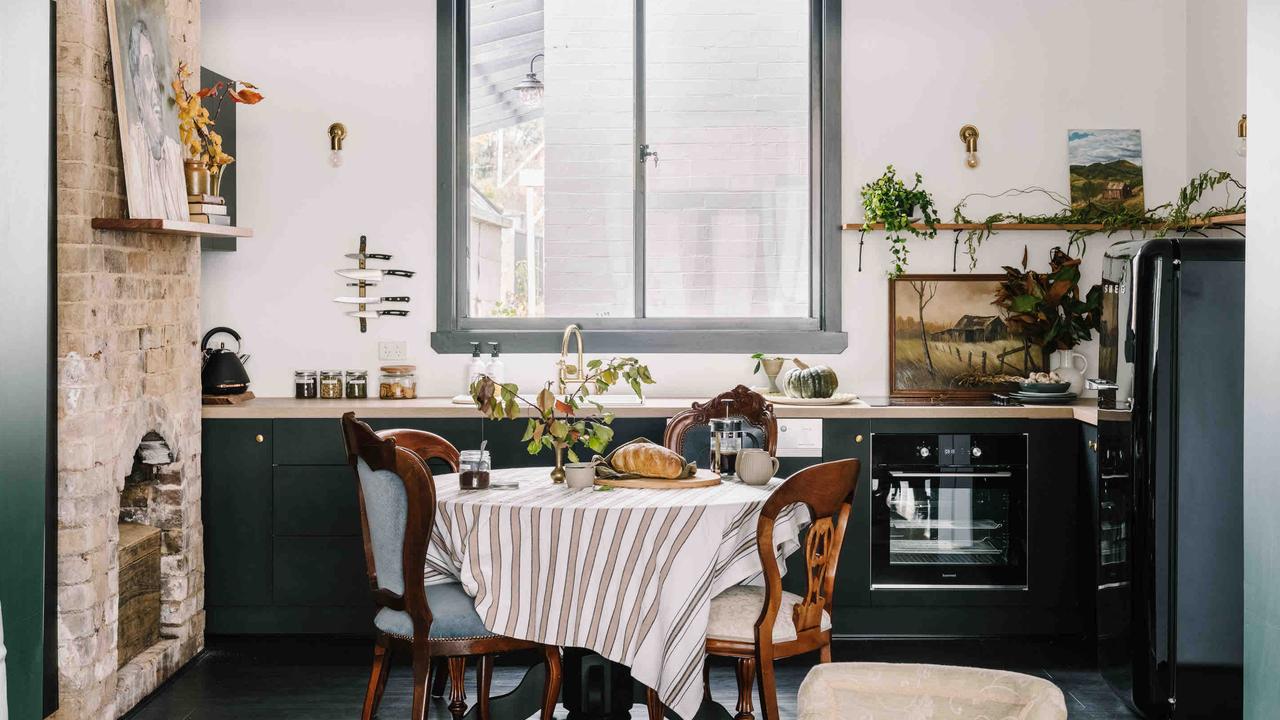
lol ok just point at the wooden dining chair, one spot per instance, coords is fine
(687, 432)
(397, 500)
(756, 625)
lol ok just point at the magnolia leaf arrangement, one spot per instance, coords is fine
(558, 422)
(888, 200)
(195, 124)
(1045, 309)
(1111, 217)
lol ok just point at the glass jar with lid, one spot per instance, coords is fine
(473, 470)
(357, 384)
(398, 382)
(304, 384)
(331, 384)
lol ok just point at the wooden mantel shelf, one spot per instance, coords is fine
(1215, 221)
(170, 227)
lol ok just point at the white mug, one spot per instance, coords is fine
(756, 467)
(579, 475)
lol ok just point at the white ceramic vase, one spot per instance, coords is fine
(1071, 367)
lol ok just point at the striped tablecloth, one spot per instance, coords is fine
(628, 574)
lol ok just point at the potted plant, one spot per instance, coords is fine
(888, 200)
(558, 423)
(205, 156)
(1045, 309)
(772, 366)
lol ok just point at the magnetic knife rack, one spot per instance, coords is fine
(362, 255)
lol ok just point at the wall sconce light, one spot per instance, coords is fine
(969, 134)
(1242, 132)
(530, 89)
(337, 133)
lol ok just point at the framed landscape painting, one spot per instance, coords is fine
(947, 339)
(1106, 168)
(142, 70)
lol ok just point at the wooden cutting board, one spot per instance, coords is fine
(240, 399)
(703, 478)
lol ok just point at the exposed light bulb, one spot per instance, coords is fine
(971, 159)
(1242, 147)
(335, 158)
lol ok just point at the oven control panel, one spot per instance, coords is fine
(949, 450)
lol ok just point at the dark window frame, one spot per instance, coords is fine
(819, 333)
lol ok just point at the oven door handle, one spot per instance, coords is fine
(996, 474)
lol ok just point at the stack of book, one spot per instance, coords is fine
(210, 209)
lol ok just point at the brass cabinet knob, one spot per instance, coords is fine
(857, 438)
(258, 438)
(1093, 445)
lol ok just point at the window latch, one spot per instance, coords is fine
(646, 153)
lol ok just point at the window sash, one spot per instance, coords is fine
(820, 332)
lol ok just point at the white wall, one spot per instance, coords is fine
(1262, 347)
(1215, 60)
(915, 71)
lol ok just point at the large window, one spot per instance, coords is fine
(663, 172)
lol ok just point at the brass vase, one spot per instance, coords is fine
(557, 473)
(197, 176)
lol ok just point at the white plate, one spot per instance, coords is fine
(1047, 396)
(837, 399)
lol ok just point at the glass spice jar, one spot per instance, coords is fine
(473, 470)
(331, 384)
(398, 382)
(304, 384)
(357, 384)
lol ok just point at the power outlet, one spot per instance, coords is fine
(393, 350)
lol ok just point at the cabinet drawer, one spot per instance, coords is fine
(309, 442)
(319, 571)
(315, 500)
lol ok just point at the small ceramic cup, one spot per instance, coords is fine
(756, 467)
(580, 475)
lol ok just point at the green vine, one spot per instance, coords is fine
(888, 200)
(1112, 218)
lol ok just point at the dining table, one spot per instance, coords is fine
(625, 574)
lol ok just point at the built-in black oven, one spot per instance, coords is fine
(948, 511)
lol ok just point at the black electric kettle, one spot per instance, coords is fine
(222, 372)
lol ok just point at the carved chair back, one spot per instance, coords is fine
(397, 498)
(827, 490)
(744, 403)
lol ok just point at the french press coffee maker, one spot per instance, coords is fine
(726, 441)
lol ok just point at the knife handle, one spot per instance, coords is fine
(363, 283)
(399, 273)
(394, 313)
(396, 298)
(377, 256)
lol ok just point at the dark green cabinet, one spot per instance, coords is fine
(236, 469)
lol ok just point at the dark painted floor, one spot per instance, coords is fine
(323, 678)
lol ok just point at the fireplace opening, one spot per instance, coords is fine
(140, 548)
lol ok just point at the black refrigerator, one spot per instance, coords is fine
(1169, 488)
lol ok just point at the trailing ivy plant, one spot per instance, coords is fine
(1112, 218)
(888, 200)
(1045, 309)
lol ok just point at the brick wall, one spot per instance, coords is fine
(727, 205)
(128, 327)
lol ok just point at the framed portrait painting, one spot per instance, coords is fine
(947, 339)
(142, 69)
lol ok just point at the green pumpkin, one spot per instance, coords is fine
(803, 381)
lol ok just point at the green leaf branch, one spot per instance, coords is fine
(888, 200)
(558, 422)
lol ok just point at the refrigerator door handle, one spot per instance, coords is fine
(1097, 384)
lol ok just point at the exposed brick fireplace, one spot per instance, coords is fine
(128, 376)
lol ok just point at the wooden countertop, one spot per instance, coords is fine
(1084, 410)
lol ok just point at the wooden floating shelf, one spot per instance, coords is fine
(1215, 221)
(170, 227)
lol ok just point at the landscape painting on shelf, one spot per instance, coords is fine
(1106, 168)
(946, 337)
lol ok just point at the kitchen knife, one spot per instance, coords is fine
(363, 283)
(363, 274)
(378, 313)
(371, 300)
(368, 256)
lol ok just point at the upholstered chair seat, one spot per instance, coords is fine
(893, 691)
(735, 611)
(454, 616)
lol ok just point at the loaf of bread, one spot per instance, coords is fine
(648, 460)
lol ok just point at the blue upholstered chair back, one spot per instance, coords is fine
(387, 509)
